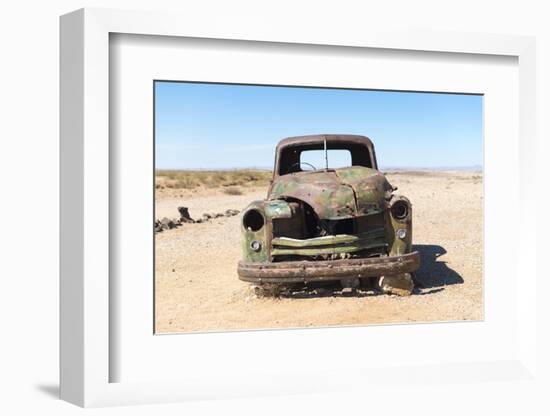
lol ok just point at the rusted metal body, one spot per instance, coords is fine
(327, 224)
(326, 270)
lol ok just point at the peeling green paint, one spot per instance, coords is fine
(327, 250)
(277, 209)
(370, 186)
(399, 246)
(330, 240)
(336, 194)
(251, 255)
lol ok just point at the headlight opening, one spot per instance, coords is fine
(253, 220)
(400, 209)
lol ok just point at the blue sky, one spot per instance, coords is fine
(220, 126)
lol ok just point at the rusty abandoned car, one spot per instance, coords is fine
(318, 224)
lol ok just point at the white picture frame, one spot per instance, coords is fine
(87, 308)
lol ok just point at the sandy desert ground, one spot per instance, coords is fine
(197, 288)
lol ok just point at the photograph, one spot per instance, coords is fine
(282, 207)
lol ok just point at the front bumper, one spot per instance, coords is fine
(327, 270)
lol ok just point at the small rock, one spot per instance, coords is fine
(167, 223)
(218, 215)
(231, 212)
(158, 226)
(184, 215)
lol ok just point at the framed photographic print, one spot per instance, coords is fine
(238, 208)
(323, 232)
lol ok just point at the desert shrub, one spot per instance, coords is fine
(232, 190)
(190, 179)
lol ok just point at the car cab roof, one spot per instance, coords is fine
(320, 138)
(288, 150)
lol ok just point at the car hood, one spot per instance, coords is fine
(336, 193)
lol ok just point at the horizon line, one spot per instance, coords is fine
(397, 168)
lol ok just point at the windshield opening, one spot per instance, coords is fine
(312, 156)
(315, 159)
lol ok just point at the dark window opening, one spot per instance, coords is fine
(315, 159)
(293, 158)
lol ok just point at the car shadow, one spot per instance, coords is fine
(434, 272)
(327, 290)
(431, 277)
